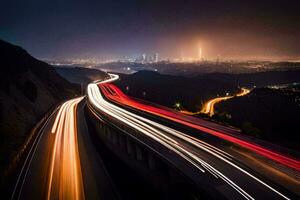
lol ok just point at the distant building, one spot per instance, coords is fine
(144, 57)
(147, 59)
(156, 57)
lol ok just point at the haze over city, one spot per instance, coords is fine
(106, 30)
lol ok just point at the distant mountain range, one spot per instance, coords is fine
(28, 89)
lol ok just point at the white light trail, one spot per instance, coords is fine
(65, 177)
(159, 133)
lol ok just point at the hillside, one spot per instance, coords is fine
(168, 90)
(191, 92)
(264, 113)
(269, 114)
(28, 89)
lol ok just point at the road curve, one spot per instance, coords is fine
(209, 107)
(206, 157)
(65, 178)
(63, 162)
(115, 94)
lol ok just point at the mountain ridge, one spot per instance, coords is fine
(28, 89)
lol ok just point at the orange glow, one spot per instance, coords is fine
(208, 107)
(244, 92)
(65, 178)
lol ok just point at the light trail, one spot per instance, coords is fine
(244, 92)
(159, 133)
(65, 178)
(209, 107)
(113, 93)
(29, 158)
(142, 125)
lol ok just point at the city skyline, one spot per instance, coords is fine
(109, 30)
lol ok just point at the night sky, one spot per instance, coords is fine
(59, 29)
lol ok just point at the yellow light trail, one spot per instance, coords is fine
(244, 92)
(65, 178)
(209, 106)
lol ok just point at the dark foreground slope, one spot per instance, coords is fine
(80, 75)
(192, 92)
(168, 90)
(269, 114)
(28, 89)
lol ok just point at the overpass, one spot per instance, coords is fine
(218, 160)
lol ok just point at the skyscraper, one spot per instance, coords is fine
(156, 57)
(144, 57)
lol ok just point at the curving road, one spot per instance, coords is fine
(240, 164)
(209, 107)
(63, 162)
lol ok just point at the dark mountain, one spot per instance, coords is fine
(28, 89)
(167, 90)
(270, 114)
(80, 75)
(191, 92)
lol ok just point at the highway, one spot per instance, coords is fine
(62, 162)
(116, 95)
(220, 161)
(209, 107)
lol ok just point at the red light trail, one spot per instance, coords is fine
(113, 93)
